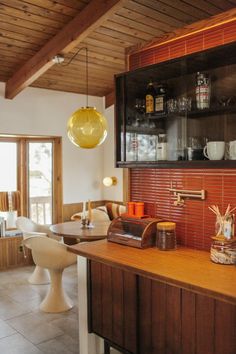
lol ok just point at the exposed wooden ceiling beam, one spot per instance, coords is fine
(109, 99)
(91, 17)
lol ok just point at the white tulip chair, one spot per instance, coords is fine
(29, 227)
(50, 254)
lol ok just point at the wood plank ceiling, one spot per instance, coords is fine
(27, 25)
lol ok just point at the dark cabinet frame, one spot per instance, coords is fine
(132, 83)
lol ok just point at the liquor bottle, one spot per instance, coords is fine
(150, 97)
(202, 91)
(161, 99)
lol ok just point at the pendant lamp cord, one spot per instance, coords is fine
(86, 76)
(73, 56)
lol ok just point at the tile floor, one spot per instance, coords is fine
(24, 329)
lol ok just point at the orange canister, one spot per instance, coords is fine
(130, 208)
(139, 209)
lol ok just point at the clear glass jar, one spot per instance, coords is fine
(161, 147)
(166, 237)
(223, 252)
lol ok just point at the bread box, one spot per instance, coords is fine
(140, 233)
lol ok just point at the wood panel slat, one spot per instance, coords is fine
(34, 19)
(26, 24)
(3, 254)
(187, 8)
(151, 12)
(107, 301)
(204, 325)
(70, 209)
(188, 306)
(225, 328)
(158, 330)
(118, 300)
(145, 316)
(10, 254)
(173, 320)
(143, 18)
(126, 28)
(168, 9)
(130, 312)
(131, 23)
(208, 7)
(65, 7)
(27, 34)
(96, 297)
(30, 9)
(126, 39)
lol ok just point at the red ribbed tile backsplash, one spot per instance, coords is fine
(219, 35)
(195, 222)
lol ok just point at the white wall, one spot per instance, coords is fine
(45, 112)
(109, 170)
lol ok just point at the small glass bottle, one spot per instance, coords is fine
(166, 237)
(203, 91)
(161, 99)
(149, 97)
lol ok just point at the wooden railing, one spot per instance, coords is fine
(40, 209)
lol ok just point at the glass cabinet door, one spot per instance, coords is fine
(199, 108)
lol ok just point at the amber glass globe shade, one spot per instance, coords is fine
(87, 128)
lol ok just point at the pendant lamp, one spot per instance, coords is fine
(87, 128)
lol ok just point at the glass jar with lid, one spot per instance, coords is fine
(166, 236)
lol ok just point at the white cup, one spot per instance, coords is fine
(214, 150)
(232, 150)
(161, 149)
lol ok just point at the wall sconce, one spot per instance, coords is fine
(109, 181)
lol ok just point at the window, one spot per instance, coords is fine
(33, 167)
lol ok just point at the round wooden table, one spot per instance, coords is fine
(72, 232)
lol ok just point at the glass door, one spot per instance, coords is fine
(8, 182)
(40, 181)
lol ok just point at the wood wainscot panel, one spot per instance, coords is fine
(11, 253)
(3, 253)
(70, 209)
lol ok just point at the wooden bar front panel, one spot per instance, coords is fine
(177, 321)
(113, 305)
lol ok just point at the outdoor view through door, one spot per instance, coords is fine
(32, 166)
(40, 181)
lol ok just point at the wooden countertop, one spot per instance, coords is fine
(185, 267)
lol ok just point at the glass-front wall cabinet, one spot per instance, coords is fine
(180, 113)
